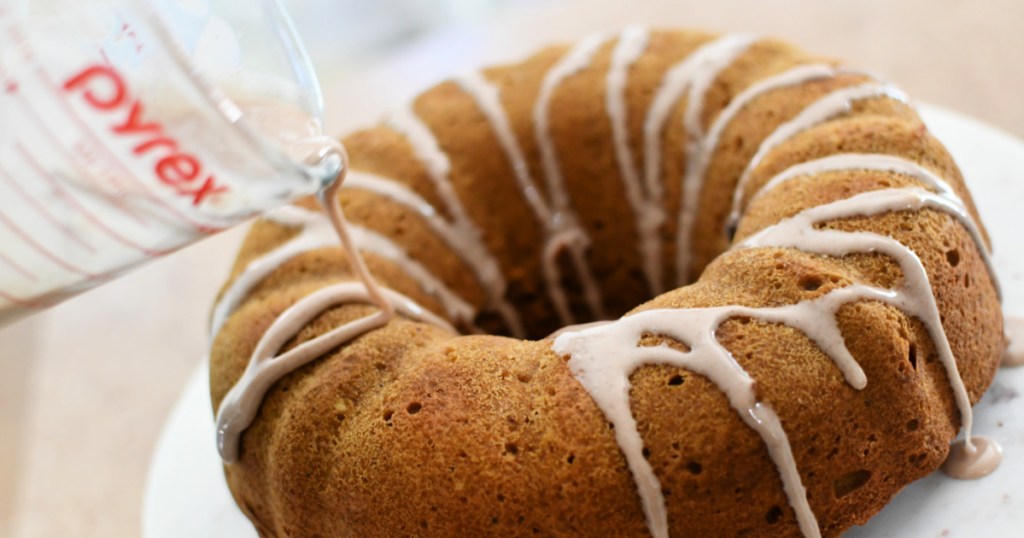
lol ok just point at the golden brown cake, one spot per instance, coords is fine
(832, 319)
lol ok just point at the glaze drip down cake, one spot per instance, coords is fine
(817, 310)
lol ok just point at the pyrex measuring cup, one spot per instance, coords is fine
(131, 128)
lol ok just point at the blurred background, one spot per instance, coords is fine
(85, 387)
(959, 54)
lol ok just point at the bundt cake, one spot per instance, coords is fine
(817, 309)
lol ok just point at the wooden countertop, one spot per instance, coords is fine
(85, 387)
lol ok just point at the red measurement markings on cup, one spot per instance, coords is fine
(18, 268)
(37, 303)
(67, 197)
(26, 303)
(19, 39)
(113, 159)
(55, 185)
(66, 230)
(29, 275)
(82, 158)
(30, 240)
(103, 89)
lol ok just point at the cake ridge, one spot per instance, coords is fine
(649, 214)
(240, 405)
(471, 251)
(676, 82)
(699, 159)
(479, 257)
(257, 270)
(563, 218)
(833, 104)
(560, 229)
(315, 232)
(576, 59)
(457, 308)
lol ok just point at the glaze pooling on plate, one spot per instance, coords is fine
(971, 460)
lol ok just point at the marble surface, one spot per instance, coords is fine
(85, 387)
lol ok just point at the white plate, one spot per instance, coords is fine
(186, 496)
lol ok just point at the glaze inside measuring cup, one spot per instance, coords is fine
(139, 127)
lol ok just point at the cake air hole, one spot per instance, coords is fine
(810, 282)
(850, 482)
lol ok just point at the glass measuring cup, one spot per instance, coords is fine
(132, 128)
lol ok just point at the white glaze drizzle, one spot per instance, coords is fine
(830, 106)
(972, 461)
(843, 162)
(647, 210)
(603, 358)
(242, 402)
(575, 60)
(561, 230)
(310, 237)
(455, 306)
(240, 406)
(915, 297)
(427, 149)
(880, 162)
(577, 327)
(680, 78)
(699, 153)
(794, 76)
(472, 249)
(316, 232)
(693, 76)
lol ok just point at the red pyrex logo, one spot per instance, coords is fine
(103, 89)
